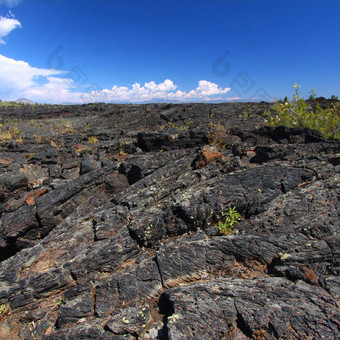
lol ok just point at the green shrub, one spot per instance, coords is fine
(226, 225)
(217, 135)
(298, 113)
(4, 310)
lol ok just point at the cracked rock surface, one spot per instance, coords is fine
(108, 224)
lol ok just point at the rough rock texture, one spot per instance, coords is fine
(108, 219)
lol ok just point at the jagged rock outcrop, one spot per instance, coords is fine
(108, 218)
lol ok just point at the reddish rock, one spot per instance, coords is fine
(30, 200)
(207, 155)
(39, 192)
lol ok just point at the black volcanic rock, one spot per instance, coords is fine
(260, 308)
(108, 218)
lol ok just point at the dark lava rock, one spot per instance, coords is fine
(108, 225)
(260, 308)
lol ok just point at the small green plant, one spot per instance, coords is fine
(229, 219)
(245, 113)
(188, 123)
(59, 303)
(16, 132)
(92, 140)
(298, 113)
(172, 124)
(4, 310)
(19, 140)
(312, 94)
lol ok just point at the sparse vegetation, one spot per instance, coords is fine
(217, 135)
(59, 303)
(92, 140)
(229, 219)
(4, 310)
(9, 132)
(172, 125)
(37, 139)
(5, 135)
(5, 103)
(189, 123)
(83, 149)
(53, 143)
(67, 126)
(298, 113)
(16, 132)
(19, 140)
(245, 113)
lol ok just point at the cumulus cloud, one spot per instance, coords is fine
(19, 74)
(163, 91)
(206, 88)
(10, 3)
(19, 79)
(137, 92)
(7, 25)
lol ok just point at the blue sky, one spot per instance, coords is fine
(167, 50)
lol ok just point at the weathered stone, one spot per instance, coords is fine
(88, 164)
(270, 308)
(14, 181)
(207, 155)
(118, 239)
(18, 222)
(132, 321)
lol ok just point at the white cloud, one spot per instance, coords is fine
(163, 91)
(19, 79)
(208, 99)
(206, 88)
(233, 98)
(10, 3)
(167, 85)
(18, 74)
(7, 25)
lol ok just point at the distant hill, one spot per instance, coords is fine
(23, 101)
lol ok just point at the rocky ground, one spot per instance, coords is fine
(109, 214)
